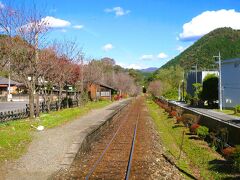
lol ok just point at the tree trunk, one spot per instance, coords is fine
(59, 98)
(78, 98)
(37, 104)
(49, 101)
(67, 99)
(31, 104)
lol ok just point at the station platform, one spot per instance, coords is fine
(55, 149)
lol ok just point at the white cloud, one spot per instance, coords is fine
(1, 5)
(208, 21)
(131, 66)
(118, 11)
(107, 47)
(162, 55)
(147, 57)
(53, 22)
(78, 27)
(181, 48)
(48, 21)
(150, 57)
(134, 66)
(63, 30)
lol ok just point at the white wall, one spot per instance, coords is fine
(205, 73)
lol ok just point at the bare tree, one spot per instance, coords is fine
(46, 68)
(67, 70)
(156, 88)
(93, 72)
(125, 83)
(24, 28)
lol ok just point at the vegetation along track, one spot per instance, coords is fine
(122, 151)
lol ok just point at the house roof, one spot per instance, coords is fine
(106, 86)
(4, 81)
(203, 71)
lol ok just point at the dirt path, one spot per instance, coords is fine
(147, 162)
(46, 152)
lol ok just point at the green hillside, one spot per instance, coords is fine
(225, 40)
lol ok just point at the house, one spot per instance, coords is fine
(98, 91)
(4, 83)
(231, 82)
(196, 77)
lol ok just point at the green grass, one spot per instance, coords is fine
(16, 135)
(196, 153)
(56, 118)
(228, 112)
(14, 138)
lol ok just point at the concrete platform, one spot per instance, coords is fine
(55, 149)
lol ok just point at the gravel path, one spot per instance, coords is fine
(48, 148)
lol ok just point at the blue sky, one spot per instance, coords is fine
(137, 33)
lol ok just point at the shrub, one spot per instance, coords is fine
(237, 109)
(219, 138)
(179, 119)
(210, 89)
(189, 119)
(70, 102)
(202, 132)
(193, 128)
(236, 158)
(64, 102)
(173, 113)
(228, 152)
(188, 98)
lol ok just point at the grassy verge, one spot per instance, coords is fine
(228, 112)
(56, 118)
(16, 135)
(197, 158)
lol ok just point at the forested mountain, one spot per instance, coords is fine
(170, 75)
(225, 40)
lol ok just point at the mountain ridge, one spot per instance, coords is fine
(224, 40)
(150, 69)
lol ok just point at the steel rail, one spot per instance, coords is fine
(132, 150)
(106, 148)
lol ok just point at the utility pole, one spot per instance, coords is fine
(82, 73)
(9, 96)
(220, 80)
(179, 92)
(183, 91)
(196, 69)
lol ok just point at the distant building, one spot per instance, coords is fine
(98, 91)
(193, 77)
(231, 82)
(4, 83)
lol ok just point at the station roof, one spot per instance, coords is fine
(106, 86)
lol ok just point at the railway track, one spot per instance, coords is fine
(127, 149)
(116, 158)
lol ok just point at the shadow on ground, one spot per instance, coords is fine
(177, 126)
(224, 166)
